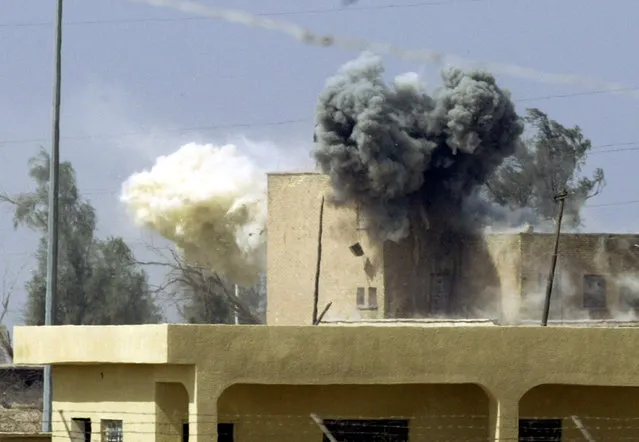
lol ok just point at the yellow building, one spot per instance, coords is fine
(433, 273)
(455, 383)
(375, 367)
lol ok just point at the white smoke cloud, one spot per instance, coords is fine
(210, 201)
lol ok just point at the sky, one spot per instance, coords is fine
(140, 81)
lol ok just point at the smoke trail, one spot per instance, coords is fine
(308, 37)
(391, 149)
(210, 202)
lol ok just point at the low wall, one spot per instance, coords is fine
(25, 437)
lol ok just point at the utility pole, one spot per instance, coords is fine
(237, 296)
(52, 231)
(561, 197)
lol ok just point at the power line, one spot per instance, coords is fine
(398, 6)
(576, 94)
(598, 149)
(180, 130)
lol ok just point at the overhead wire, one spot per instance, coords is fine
(337, 10)
(292, 121)
(306, 36)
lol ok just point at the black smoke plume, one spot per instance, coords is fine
(396, 151)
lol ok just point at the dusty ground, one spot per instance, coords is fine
(20, 419)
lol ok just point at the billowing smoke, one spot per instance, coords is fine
(394, 148)
(210, 202)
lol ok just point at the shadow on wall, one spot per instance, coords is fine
(384, 412)
(606, 413)
(438, 273)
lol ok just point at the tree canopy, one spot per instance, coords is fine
(551, 159)
(204, 297)
(99, 281)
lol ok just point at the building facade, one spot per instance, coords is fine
(433, 273)
(413, 348)
(405, 383)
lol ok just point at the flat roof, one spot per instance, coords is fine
(294, 173)
(434, 322)
(443, 322)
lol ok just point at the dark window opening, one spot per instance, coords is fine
(372, 297)
(361, 300)
(440, 291)
(82, 427)
(225, 432)
(361, 297)
(540, 430)
(362, 220)
(368, 430)
(594, 295)
(112, 430)
(185, 432)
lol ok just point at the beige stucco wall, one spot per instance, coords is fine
(506, 362)
(294, 202)
(127, 392)
(280, 412)
(500, 276)
(611, 256)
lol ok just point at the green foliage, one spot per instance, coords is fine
(549, 161)
(99, 281)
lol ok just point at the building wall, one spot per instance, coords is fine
(607, 413)
(282, 412)
(612, 258)
(294, 202)
(299, 368)
(401, 276)
(25, 437)
(433, 273)
(130, 393)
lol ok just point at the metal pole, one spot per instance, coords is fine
(561, 198)
(318, 266)
(237, 296)
(52, 231)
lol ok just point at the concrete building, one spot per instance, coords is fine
(463, 383)
(375, 368)
(433, 273)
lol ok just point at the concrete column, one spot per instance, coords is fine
(205, 417)
(504, 420)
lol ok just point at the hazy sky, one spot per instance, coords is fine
(141, 81)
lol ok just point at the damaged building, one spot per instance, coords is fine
(433, 273)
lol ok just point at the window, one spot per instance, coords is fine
(594, 292)
(540, 430)
(440, 289)
(362, 302)
(185, 432)
(367, 430)
(361, 297)
(81, 429)
(362, 220)
(225, 432)
(372, 297)
(111, 430)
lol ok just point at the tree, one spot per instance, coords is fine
(204, 297)
(549, 160)
(99, 281)
(9, 285)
